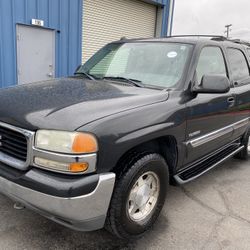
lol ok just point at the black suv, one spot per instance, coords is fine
(101, 147)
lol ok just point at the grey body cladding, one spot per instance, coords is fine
(218, 133)
(217, 157)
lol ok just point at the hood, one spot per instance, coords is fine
(70, 103)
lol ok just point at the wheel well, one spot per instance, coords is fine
(165, 146)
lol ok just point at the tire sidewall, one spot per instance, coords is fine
(244, 154)
(246, 139)
(247, 144)
(157, 165)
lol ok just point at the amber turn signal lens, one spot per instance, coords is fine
(78, 167)
(84, 143)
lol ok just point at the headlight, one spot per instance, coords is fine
(58, 143)
(66, 142)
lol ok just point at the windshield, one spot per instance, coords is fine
(156, 64)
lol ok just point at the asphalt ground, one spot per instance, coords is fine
(212, 212)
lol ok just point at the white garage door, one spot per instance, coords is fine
(108, 20)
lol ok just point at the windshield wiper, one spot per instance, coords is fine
(131, 81)
(91, 77)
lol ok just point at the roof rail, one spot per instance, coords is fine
(239, 41)
(216, 38)
(212, 36)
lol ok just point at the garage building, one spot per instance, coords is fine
(43, 39)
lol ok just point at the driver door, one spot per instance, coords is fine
(209, 116)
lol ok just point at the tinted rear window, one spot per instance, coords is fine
(238, 63)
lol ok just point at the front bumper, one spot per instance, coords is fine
(84, 212)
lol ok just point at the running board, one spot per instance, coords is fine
(194, 172)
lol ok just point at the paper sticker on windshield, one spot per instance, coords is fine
(172, 54)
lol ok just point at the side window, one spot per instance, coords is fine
(211, 62)
(238, 64)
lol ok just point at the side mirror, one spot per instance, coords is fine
(213, 84)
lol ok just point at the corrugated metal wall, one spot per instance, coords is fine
(61, 15)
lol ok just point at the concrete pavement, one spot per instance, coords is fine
(212, 212)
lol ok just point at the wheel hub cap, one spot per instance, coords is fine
(143, 197)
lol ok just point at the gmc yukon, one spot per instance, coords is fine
(100, 148)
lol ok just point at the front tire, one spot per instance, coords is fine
(138, 197)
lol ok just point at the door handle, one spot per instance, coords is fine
(231, 101)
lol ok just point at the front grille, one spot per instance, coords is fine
(13, 144)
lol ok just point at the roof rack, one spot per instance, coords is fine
(239, 41)
(216, 38)
(222, 38)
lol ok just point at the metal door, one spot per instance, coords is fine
(35, 54)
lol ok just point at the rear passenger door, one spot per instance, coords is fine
(209, 116)
(240, 75)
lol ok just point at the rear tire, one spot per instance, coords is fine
(138, 197)
(244, 153)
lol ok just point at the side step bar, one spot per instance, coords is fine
(194, 172)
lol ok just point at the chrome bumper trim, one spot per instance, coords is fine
(85, 213)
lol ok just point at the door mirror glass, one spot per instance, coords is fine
(213, 84)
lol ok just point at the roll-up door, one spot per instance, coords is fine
(108, 20)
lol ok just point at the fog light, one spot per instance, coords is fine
(76, 167)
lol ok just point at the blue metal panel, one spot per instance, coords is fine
(165, 18)
(172, 18)
(64, 16)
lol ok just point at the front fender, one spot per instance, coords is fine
(119, 133)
